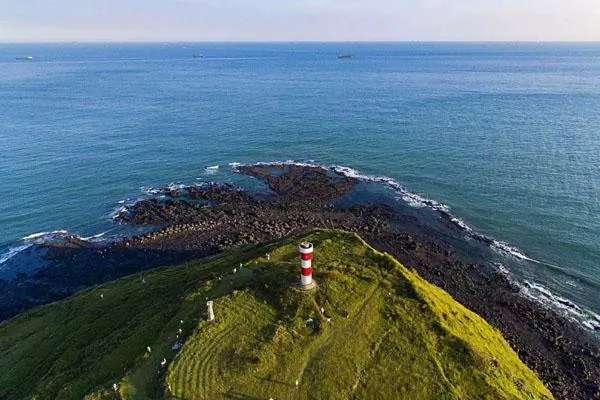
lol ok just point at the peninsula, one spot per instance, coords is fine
(383, 293)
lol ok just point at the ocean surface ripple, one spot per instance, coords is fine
(500, 140)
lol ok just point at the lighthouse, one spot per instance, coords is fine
(306, 253)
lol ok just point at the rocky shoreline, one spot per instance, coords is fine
(204, 220)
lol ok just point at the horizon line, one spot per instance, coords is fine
(303, 41)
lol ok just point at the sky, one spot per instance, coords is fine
(299, 20)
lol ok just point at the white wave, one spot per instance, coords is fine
(118, 211)
(416, 201)
(13, 251)
(58, 236)
(93, 237)
(54, 236)
(511, 250)
(502, 269)
(410, 198)
(411, 202)
(43, 235)
(292, 162)
(461, 224)
(544, 296)
(506, 249)
(151, 191)
(211, 170)
(506, 273)
(591, 324)
(176, 186)
(123, 206)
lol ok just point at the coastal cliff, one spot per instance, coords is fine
(371, 329)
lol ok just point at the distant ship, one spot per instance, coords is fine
(28, 58)
(198, 55)
(345, 56)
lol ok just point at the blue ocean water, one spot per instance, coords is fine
(506, 135)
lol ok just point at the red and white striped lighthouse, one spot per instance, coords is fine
(306, 252)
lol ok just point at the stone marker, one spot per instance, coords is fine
(211, 314)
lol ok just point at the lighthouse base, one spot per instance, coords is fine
(305, 288)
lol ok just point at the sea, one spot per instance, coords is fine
(502, 137)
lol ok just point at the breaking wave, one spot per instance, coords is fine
(534, 291)
(95, 238)
(13, 251)
(544, 296)
(152, 191)
(211, 170)
(40, 238)
(58, 237)
(43, 237)
(413, 200)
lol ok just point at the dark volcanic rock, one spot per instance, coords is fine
(300, 182)
(203, 220)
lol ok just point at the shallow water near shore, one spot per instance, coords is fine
(507, 136)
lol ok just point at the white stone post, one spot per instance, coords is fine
(211, 314)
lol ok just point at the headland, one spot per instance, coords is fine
(199, 221)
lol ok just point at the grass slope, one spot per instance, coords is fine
(390, 335)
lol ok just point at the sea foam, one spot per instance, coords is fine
(418, 201)
(58, 236)
(547, 298)
(94, 238)
(211, 170)
(13, 251)
(414, 200)
(41, 237)
(534, 291)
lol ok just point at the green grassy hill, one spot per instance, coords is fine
(384, 333)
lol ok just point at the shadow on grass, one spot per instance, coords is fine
(275, 381)
(68, 270)
(240, 396)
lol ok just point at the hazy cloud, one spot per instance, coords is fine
(280, 20)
